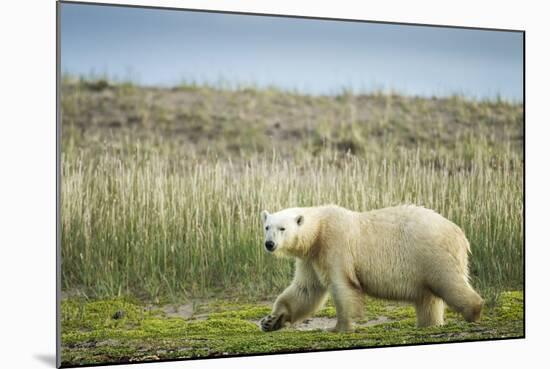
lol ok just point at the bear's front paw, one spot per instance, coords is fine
(271, 323)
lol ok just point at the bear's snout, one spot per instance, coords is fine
(269, 245)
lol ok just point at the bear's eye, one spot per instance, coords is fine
(267, 228)
(281, 229)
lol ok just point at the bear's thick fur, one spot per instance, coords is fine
(405, 253)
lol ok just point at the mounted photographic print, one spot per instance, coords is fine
(242, 184)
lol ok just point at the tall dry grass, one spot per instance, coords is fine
(144, 219)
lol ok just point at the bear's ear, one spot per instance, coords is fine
(300, 220)
(265, 214)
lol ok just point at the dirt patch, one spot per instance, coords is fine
(315, 323)
(323, 323)
(379, 320)
(179, 311)
(108, 342)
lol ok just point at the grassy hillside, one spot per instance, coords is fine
(248, 121)
(162, 188)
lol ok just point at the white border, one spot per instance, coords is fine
(27, 187)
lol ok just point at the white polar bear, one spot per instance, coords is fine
(405, 253)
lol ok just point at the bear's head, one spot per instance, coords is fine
(282, 230)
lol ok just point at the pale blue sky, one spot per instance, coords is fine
(165, 47)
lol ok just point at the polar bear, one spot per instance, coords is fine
(406, 253)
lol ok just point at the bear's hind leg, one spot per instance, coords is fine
(460, 296)
(430, 311)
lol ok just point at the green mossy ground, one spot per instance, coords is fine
(125, 330)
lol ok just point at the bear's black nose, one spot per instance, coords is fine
(269, 245)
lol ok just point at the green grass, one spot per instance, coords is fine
(162, 188)
(91, 334)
